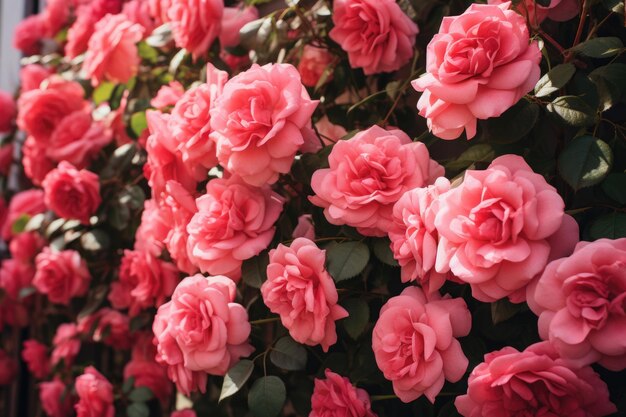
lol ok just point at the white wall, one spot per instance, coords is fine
(11, 13)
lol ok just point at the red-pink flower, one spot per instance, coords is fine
(535, 382)
(95, 395)
(25, 246)
(8, 368)
(28, 34)
(29, 203)
(336, 396)
(79, 34)
(15, 275)
(234, 222)
(233, 19)
(66, 344)
(61, 276)
(153, 229)
(415, 345)
(138, 11)
(260, 121)
(178, 207)
(580, 304)
(55, 398)
(145, 371)
(313, 62)
(8, 111)
(184, 413)
(376, 34)
(32, 75)
(109, 327)
(303, 293)
(368, 174)
(55, 16)
(168, 95)
(35, 160)
(35, 354)
(195, 23)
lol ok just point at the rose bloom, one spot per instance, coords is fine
(112, 328)
(32, 75)
(25, 246)
(233, 19)
(313, 62)
(35, 354)
(138, 11)
(8, 368)
(328, 131)
(55, 15)
(61, 275)
(367, 175)
(336, 396)
(304, 228)
(78, 35)
(112, 51)
(28, 35)
(168, 95)
(50, 394)
(376, 34)
(234, 222)
(414, 237)
(260, 121)
(500, 227)
(415, 345)
(35, 160)
(201, 330)
(145, 371)
(72, 194)
(8, 111)
(557, 10)
(580, 304)
(535, 382)
(66, 344)
(153, 229)
(195, 24)
(29, 203)
(478, 66)
(184, 413)
(178, 207)
(303, 293)
(13, 313)
(95, 395)
(15, 275)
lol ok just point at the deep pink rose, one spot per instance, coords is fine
(100, 8)
(35, 160)
(535, 382)
(168, 95)
(153, 230)
(233, 19)
(15, 275)
(478, 66)
(8, 368)
(313, 62)
(25, 246)
(35, 354)
(184, 413)
(413, 235)
(138, 11)
(79, 34)
(201, 331)
(32, 75)
(61, 275)
(28, 35)
(303, 293)
(376, 34)
(234, 222)
(55, 15)
(178, 207)
(50, 395)
(29, 202)
(112, 51)
(415, 345)
(260, 121)
(500, 227)
(112, 328)
(66, 344)
(8, 111)
(145, 371)
(72, 194)
(336, 396)
(557, 10)
(580, 304)
(195, 23)
(13, 313)
(368, 174)
(95, 395)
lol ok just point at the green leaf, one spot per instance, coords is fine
(138, 410)
(555, 79)
(133, 197)
(610, 83)
(603, 47)
(573, 110)
(116, 96)
(512, 125)
(359, 315)
(128, 384)
(141, 395)
(19, 224)
(236, 377)
(120, 161)
(346, 260)
(103, 92)
(138, 123)
(288, 355)
(477, 153)
(95, 240)
(254, 270)
(610, 226)
(503, 309)
(614, 186)
(382, 251)
(147, 52)
(267, 396)
(585, 161)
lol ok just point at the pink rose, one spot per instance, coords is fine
(184, 413)
(112, 328)
(303, 293)
(580, 304)
(29, 203)
(304, 228)
(367, 175)
(195, 24)
(79, 34)
(336, 396)
(8, 368)
(535, 382)
(95, 395)
(35, 354)
(36, 162)
(260, 121)
(376, 34)
(145, 371)
(25, 246)
(233, 19)
(32, 75)
(178, 207)
(168, 95)
(415, 345)
(28, 35)
(50, 394)
(158, 10)
(8, 111)
(153, 229)
(500, 227)
(234, 222)
(313, 62)
(201, 330)
(478, 65)
(66, 344)
(112, 51)
(55, 16)
(138, 11)
(61, 275)
(557, 10)
(329, 132)
(15, 275)
(414, 237)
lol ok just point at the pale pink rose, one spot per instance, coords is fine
(138, 11)
(195, 23)
(376, 34)
(328, 131)
(303, 293)
(61, 276)
(66, 344)
(35, 160)
(6, 159)
(72, 194)
(8, 368)
(336, 396)
(112, 328)
(153, 230)
(184, 413)
(580, 304)
(535, 382)
(28, 35)
(32, 75)
(304, 228)
(415, 345)
(201, 331)
(478, 66)
(313, 62)
(233, 19)
(557, 10)
(15, 275)
(145, 371)
(8, 111)
(50, 395)
(95, 395)
(234, 222)
(55, 15)
(414, 237)
(25, 246)
(29, 203)
(179, 206)
(35, 354)
(168, 95)
(260, 121)
(496, 229)
(368, 174)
